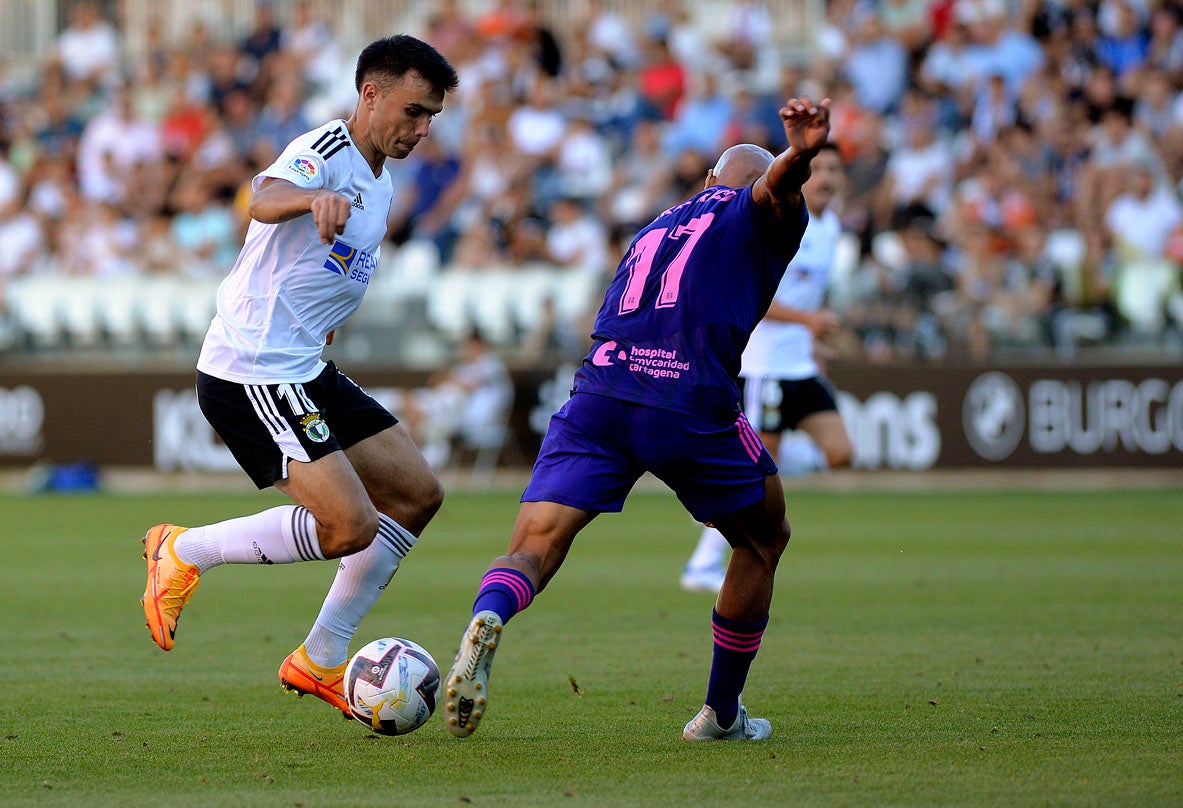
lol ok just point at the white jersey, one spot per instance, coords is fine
(287, 290)
(782, 350)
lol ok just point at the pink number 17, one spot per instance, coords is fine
(640, 262)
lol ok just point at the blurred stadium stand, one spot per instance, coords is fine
(1024, 244)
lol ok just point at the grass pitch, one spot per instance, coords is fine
(924, 649)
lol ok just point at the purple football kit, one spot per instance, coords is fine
(658, 391)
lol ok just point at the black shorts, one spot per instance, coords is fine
(266, 425)
(774, 405)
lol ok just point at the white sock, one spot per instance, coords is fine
(800, 455)
(361, 577)
(281, 535)
(710, 550)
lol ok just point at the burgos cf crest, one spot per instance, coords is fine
(355, 264)
(314, 427)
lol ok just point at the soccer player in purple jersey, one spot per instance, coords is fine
(658, 393)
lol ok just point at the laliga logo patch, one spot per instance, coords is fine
(315, 428)
(304, 167)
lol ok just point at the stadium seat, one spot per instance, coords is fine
(34, 301)
(447, 303)
(532, 287)
(79, 306)
(118, 312)
(195, 306)
(489, 299)
(158, 302)
(576, 292)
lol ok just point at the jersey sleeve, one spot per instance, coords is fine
(303, 168)
(782, 235)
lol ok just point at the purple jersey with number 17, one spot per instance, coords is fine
(685, 298)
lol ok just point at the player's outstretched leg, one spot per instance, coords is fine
(466, 687)
(705, 727)
(171, 582)
(300, 675)
(504, 592)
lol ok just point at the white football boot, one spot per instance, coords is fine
(705, 727)
(703, 579)
(466, 687)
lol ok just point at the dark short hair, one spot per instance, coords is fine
(395, 56)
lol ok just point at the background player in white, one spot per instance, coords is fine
(362, 491)
(783, 386)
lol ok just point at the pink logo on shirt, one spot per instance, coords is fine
(602, 357)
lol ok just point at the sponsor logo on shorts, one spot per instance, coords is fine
(315, 428)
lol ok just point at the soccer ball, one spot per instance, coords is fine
(391, 686)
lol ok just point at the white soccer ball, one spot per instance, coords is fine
(391, 686)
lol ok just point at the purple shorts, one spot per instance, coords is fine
(596, 448)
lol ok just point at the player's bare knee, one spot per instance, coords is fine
(770, 545)
(413, 506)
(348, 532)
(429, 501)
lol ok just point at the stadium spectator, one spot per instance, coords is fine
(313, 48)
(661, 79)
(1126, 47)
(1165, 50)
(463, 407)
(609, 33)
(23, 239)
(99, 242)
(876, 65)
(260, 44)
(583, 160)
(921, 168)
(88, 48)
(1140, 221)
(425, 209)
(702, 119)
(576, 240)
(203, 227)
(111, 143)
(641, 181)
(448, 29)
(282, 117)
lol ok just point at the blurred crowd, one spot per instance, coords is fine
(1013, 166)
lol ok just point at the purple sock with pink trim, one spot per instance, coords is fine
(504, 591)
(736, 645)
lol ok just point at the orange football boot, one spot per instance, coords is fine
(171, 582)
(300, 675)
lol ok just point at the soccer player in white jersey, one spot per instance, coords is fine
(783, 387)
(361, 490)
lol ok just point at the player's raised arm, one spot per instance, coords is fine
(278, 200)
(807, 127)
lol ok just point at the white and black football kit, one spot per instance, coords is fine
(779, 377)
(261, 381)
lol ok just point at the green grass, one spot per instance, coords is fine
(925, 649)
